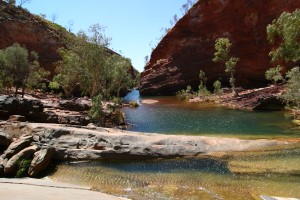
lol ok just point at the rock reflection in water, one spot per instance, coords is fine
(171, 116)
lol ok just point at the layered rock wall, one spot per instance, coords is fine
(19, 26)
(189, 46)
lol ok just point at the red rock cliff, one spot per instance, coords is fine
(19, 26)
(189, 46)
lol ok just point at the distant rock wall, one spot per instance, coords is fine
(19, 26)
(189, 46)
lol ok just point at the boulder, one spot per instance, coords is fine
(79, 104)
(41, 161)
(10, 105)
(1, 166)
(17, 118)
(11, 167)
(50, 117)
(272, 103)
(5, 140)
(17, 146)
(45, 117)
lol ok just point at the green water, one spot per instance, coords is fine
(234, 175)
(273, 173)
(172, 116)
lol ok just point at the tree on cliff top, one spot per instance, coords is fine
(223, 47)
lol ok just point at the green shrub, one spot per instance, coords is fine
(274, 75)
(96, 112)
(292, 93)
(185, 94)
(217, 87)
(53, 85)
(23, 168)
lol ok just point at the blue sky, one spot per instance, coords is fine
(132, 24)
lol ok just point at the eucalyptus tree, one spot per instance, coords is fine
(18, 67)
(222, 55)
(284, 34)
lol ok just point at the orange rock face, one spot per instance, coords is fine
(189, 46)
(19, 26)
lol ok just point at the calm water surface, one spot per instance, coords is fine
(172, 116)
(243, 175)
(239, 176)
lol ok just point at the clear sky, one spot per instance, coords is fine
(132, 24)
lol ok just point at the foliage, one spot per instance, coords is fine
(223, 47)
(87, 62)
(217, 87)
(284, 32)
(19, 68)
(203, 79)
(274, 75)
(96, 112)
(53, 85)
(185, 7)
(292, 93)
(185, 94)
(202, 86)
(118, 117)
(23, 168)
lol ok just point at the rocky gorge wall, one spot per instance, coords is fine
(189, 46)
(19, 26)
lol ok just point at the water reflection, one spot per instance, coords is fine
(171, 116)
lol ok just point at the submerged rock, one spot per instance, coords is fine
(296, 122)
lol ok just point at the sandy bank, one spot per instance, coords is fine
(36, 189)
